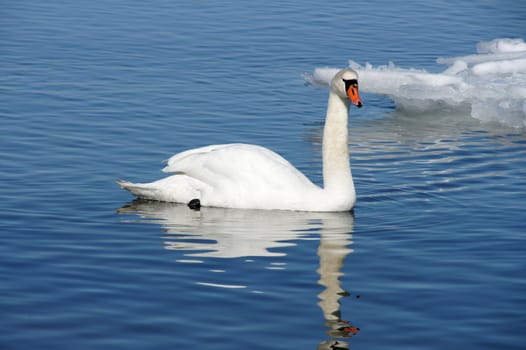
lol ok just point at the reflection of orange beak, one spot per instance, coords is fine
(351, 329)
(354, 96)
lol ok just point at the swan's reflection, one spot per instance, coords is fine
(230, 233)
(333, 249)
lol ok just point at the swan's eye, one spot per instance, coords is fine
(349, 83)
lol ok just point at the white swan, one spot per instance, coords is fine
(249, 176)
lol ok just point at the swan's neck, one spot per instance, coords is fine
(337, 178)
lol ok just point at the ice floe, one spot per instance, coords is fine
(489, 85)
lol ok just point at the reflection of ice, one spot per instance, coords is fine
(231, 233)
(490, 85)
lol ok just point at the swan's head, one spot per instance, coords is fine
(345, 85)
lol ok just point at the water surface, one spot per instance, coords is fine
(431, 258)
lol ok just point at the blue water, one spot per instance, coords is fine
(94, 91)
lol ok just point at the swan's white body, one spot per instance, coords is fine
(250, 176)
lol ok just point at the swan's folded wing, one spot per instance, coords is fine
(238, 165)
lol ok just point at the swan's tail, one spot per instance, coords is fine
(140, 190)
(175, 188)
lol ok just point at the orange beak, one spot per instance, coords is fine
(354, 96)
